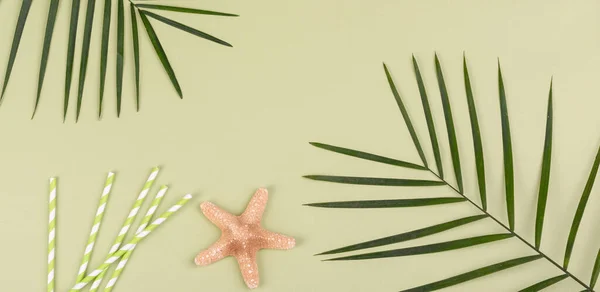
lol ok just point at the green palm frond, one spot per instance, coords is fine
(142, 11)
(23, 13)
(460, 197)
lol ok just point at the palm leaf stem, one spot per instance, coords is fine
(513, 233)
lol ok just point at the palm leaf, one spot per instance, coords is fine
(401, 203)
(375, 181)
(476, 133)
(71, 53)
(52, 12)
(545, 177)
(509, 177)
(408, 235)
(474, 274)
(22, 19)
(160, 52)
(104, 50)
(429, 118)
(409, 125)
(449, 125)
(544, 284)
(580, 209)
(186, 28)
(136, 54)
(120, 52)
(544, 185)
(367, 156)
(183, 9)
(430, 248)
(85, 50)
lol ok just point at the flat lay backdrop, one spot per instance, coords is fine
(299, 71)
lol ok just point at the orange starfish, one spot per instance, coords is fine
(242, 237)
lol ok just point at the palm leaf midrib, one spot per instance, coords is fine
(515, 234)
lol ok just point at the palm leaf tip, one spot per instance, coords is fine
(545, 175)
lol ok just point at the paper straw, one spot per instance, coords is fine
(95, 226)
(131, 245)
(51, 233)
(127, 224)
(123, 262)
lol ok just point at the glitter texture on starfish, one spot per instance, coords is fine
(242, 237)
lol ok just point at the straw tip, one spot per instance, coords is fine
(110, 173)
(187, 197)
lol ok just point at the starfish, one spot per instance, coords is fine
(242, 237)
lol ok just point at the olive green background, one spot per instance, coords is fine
(301, 71)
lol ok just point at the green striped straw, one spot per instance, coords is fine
(51, 233)
(127, 224)
(123, 262)
(87, 254)
(131, 245)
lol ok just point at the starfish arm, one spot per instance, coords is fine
(214, 253)
(249, 269)
(217, 216)
(272, 240)
(256, 207)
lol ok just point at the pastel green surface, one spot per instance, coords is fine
(300, 71)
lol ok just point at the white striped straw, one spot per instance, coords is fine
(123, 262)
(131, 245)
(128, 221)
(87, 254)
(51, 233)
